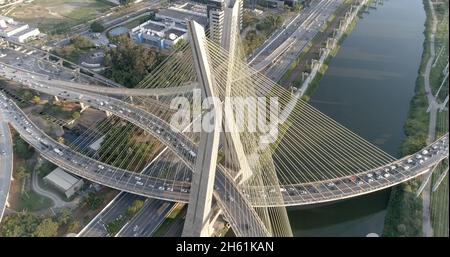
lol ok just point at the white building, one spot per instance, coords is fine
(158, 34)
(16, 31)
(64, 182)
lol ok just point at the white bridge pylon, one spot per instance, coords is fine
(198, 217)
(200, 199)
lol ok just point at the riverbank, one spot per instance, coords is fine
(439, 206)
(367, 88)
(294, 77)
(405, 210)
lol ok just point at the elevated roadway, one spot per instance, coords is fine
(125, 180)
(6, 163)
(298, 194)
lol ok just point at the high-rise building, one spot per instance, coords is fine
(215, 12)
(241, 13)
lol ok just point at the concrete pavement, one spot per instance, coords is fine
(117, 207)
(148, 219)
(293, 39)
(432, 109)
(6, 163)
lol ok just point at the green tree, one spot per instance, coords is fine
(73, 226)
(135, 207)
(93, 201)
(45, 168)
(129, 62)
(81, 42)
(21, 173)
(125, 2)
(76, 115)
(46, 228)
(21, 224)
(97, 27)
(36, 99)
(22, 148)
(64, 217)
(68, 52)
(27, 95)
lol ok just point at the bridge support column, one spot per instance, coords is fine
(234, 150)
(108, 114)
(200, 198)
(335, 32)
(444, 104)
(322, 51)
(440, 179)
(56, 99)
(341, 25)
(304, 75)
(331, 43)
(83, 107)
(425, 182)
(314, 64)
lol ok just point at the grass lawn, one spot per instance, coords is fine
(31, 201)
(439, 204)
(54, 15)
(439, 198)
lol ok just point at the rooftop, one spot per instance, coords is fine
(179, 14)
(175, 31)
(153, 26)
(194, 7)
(62, 178)
(25, 31)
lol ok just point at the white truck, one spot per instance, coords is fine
(59, 152)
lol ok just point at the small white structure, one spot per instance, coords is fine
(64, 182)
(16, 31)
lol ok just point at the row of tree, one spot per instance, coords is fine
(29, 225)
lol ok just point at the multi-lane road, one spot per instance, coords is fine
(6, 163)
(113, 211)
(263, 54)
(148, 219)
(292, 38)
(229, 196)
(302, 194)
(309, 24)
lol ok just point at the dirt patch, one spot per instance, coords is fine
(90, 117)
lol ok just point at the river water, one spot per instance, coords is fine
(367, 88)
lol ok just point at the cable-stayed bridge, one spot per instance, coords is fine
(305, 158)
